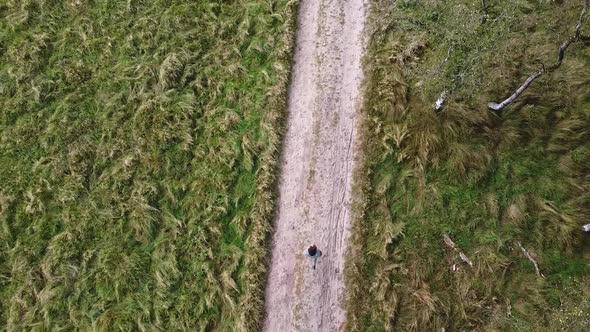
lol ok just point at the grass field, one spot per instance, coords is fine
(138, 148)
(486, 180)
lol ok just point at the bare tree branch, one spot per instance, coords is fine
(438, 105)
(453, 246)
(532, 259)
(582, 16)
(517, 93)
(577, 37)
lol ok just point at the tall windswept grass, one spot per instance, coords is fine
(486, 181)
(138, 150)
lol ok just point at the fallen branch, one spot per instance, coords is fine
(517, 93)
(532, 259)
(438, 105)
(577, 37)
(453, 246)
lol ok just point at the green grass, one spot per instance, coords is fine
(138, 148)
(487, 180)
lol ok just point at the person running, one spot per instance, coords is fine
(314, 253)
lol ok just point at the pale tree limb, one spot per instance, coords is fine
(532, 259)
(438, 105)
(455, 248)
(577, 37)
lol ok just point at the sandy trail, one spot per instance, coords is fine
(316, 169)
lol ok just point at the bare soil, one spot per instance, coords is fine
(316, 170)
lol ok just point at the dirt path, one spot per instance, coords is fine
(316, 169)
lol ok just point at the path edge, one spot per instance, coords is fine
(256, 264)
(355, 265)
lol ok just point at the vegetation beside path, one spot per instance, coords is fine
(488, 181)
(138, 150)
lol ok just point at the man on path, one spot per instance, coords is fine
(314, 253)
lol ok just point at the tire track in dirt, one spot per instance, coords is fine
(316, 169)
